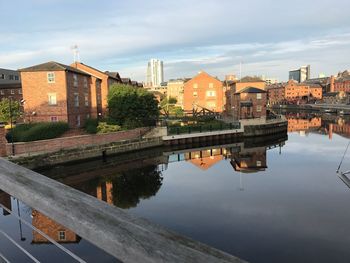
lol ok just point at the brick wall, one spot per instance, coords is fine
(54, 145)
(3, 141)
(205, 91)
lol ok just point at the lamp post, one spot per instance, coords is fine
(11, 127)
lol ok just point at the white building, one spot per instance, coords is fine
(155, 74)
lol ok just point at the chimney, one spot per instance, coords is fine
(331, 89)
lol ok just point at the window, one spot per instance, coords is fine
(16, 78)
(258, 108)
(195, 85)
(195, 94)
(211, 85)
(211, 93)
(12, 92)
(52, 99)
(88, 116)
(2, 92)
(75, 80)
(10, 77)
(51, 77)
(78, 121)
(19, 91)
(86, 99)
(76, 99)
(258, 96)
(2, 76)
(211, 104)
(99, 99)
(54, 119)
(258, 163)
(85, 82)
(62, 235)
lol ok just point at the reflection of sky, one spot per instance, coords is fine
(295, 211)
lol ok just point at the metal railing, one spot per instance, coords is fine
(188, 129)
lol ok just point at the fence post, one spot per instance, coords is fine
(210, 127)
(189, 129)
(177, 130)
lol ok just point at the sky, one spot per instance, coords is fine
(268, 37)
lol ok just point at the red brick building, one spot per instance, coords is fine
(56, 92)
(294, 92)
(249, 103)
(341, 82)
(100, 93)
(10, 84)
(203, 91)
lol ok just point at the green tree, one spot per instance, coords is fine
(132, 105)
(5, 113)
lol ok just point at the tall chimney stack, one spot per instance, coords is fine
(332, 84)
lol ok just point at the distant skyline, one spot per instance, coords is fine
(270, 37)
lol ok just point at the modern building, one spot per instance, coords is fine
(249, 103)
(155, 73)
(56, 92)
(203, 92)
(231, 77)
(301, 74)
(10, 84)
(269, 80)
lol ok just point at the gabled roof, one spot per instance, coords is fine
(251, 90)
(126, 80)
(114, 75)
(52, 66)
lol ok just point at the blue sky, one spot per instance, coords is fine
(270, 37)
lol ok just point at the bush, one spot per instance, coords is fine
(37, 131)
(104, 127)
(130, 124)
(91, 126)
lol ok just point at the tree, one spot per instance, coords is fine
(5, 113)
(132, 107)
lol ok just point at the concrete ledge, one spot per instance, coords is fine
(124, 236)
(202, 134)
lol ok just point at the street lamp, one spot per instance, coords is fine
(11, 127)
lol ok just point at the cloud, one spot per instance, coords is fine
(188, 35)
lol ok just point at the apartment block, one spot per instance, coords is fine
(56, 92)
(10, 84)
(249, 103)
(203, 91)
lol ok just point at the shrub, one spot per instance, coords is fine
(91, 126)
(104, 127)
(37, 131)
(132, 124)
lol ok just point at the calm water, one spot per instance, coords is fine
(276, 200)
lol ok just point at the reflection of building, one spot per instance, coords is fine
(5, 200)
(203, 91)
(249, 160)
(297, 124)
(51, 228)
(206, 158)
(301, 74)
(104, 192)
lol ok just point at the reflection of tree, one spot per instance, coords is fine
(130, 186)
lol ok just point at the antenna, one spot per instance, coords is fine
(76, 56)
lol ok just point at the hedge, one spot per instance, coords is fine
(37, 131)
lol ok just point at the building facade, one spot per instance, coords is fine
(249, 103)
(175, 89)
(155, 73)
(300, 75)
(55, 92)
(101, 83)
(294, 92)
(203, 92)
(10, 84)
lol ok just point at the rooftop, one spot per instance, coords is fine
(52, 66)
(251, 90)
